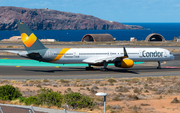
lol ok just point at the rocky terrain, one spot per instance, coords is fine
(46, 19)
(129, 95)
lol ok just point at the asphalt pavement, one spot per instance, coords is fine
(139, 70)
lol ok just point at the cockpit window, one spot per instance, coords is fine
(170, 53)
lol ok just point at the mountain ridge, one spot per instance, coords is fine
(47, 19)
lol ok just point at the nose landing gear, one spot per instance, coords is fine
(159, 65)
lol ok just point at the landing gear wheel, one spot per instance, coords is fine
(104, 69)
(158, 67)
(89, 68)
(105, 65)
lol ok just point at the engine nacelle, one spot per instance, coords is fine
(125, 63)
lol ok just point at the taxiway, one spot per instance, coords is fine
(139, 70)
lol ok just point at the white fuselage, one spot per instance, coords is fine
(77, 55)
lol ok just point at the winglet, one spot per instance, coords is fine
(125, 53)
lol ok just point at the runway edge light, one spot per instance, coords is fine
(102, 94)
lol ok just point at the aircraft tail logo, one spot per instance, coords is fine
(28, 37)
(28, 40)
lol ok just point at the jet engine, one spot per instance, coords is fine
(125, 63)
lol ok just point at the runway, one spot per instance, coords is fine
(139, 70)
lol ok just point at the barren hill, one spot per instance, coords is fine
(46, 19)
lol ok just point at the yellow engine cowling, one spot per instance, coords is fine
(125, 63)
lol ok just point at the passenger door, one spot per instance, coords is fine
(140, 53)
(165, 53)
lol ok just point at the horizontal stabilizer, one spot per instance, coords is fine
(10, 51)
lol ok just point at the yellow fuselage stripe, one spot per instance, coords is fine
(61, 53)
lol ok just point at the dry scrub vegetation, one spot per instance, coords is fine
(131, 95)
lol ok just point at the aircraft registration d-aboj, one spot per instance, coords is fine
(120, 57)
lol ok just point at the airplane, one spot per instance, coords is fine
(121, 57)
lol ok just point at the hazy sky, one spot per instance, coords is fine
(112, 10)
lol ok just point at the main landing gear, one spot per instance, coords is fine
(105, 66)
(89, 67)
(159, 65)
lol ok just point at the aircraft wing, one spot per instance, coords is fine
(95, 60)
(108, 59)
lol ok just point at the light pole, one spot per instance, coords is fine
(103, 94)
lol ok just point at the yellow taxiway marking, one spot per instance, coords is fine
(18, 66)
(57, 66)
(4, 58)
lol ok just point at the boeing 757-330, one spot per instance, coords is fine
(120, 57)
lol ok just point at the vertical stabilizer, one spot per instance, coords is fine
(29, 39)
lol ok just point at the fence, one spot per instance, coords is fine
(31, 109)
